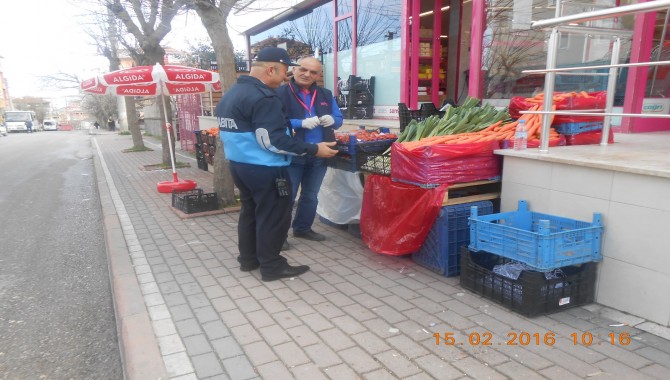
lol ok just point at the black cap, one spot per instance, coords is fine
(274, 54)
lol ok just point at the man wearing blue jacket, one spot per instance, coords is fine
(314, 116)
(258, 143)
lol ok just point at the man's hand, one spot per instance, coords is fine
(326, 120)
(325, 151)
(310, 123)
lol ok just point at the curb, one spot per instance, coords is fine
(140, 356)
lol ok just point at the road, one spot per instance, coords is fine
(56, 309)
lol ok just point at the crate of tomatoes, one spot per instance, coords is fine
(366, 141)
(358, 147)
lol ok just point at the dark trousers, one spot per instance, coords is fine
(306, 173)
(264, 218)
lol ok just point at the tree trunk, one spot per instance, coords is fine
(214, 21)
(131, 116)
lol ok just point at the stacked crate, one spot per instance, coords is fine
(530, 262)
(200, 150)
(356, 97)
(440, 251)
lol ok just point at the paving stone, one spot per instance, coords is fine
(188, 327)
(359, 312)
(300, 307)
(303, 335)
(274, 335)
(656, 371)
(245, 334)
(347, 324)
(317, 322)
(370, 342)
(397, 363)
(359, 360)
(406, 346)
(206, 314)
(308, 371)
(260, 318)
(389, 314)
(259, 353)
(339, 299)
(239, 368)
(233, 318)
(336, 339)
(207, 365)
(341, 371)
(197, 345)
(655, 355)
(226, 347)
(178, 364)
(215, 330)
(618, 370)
(437, 367)
(274, 370)
(517, 370)
(222, 304)
(329, 310)
(380, 374)
(477, 370)
(290, 354)
(558, 373)
(287, 319)
(322, 355)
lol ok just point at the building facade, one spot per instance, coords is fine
(472, 48)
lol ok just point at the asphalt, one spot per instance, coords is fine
(185, 311)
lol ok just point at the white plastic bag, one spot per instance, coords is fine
(340, 197)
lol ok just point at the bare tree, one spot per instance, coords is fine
(148, 21)
(214, 16)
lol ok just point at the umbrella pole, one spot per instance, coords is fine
(169, 138)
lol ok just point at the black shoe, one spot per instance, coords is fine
(287, 272)
(309, 235)
(250, 267)
(285, 246)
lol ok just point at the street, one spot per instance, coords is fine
(56, 309)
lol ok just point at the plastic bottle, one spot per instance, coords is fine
(521, 136)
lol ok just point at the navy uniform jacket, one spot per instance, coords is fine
(253, 127)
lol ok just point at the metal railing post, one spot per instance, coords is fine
(611, 90)
(549, 82)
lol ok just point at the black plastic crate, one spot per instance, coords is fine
(531, 294)
(202, 163)
(194, 201)
(375, 163)
(440, 252)
(198, 137)
(359, 112)
(406, 115)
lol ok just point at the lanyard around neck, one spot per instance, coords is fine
(311, 105)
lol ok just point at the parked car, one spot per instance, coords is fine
(50, 125)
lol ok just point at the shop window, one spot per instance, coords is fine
(344, 7)
(509, 49)
(378, 20)
(344, 29)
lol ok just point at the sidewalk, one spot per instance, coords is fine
(186, 311)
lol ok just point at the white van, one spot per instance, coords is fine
(15, 121)
(49, 125)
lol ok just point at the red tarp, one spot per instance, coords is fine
(396, 217)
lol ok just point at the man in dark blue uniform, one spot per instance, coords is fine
(257, 141)
(314, 116)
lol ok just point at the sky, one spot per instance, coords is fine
(44, 37)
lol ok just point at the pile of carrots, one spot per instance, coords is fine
(498, 131)
(558, 97)
(211, 131)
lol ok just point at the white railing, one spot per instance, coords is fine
(558, 25)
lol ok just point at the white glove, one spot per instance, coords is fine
(326, 120)
(310, 123)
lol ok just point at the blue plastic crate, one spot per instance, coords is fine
(575, 128)
(440, 251)
(540, 240)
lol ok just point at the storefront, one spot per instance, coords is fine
(430, 60)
